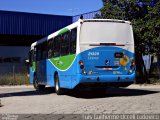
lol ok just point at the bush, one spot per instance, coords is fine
(17, 79)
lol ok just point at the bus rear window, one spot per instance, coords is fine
(106, 32)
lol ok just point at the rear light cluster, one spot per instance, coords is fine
(82, 67)
(132, 67)
(132, 64)
(81, 64)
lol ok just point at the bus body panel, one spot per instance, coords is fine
(97, 70)
(102, 60)
(73, 76)
(99, 61)
(32, 70)
(31, 75)
(66, 77)
(41, 71)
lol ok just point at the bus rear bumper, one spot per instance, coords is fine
(107, 80)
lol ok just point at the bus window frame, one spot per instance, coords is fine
(34, 54)
(37, 53)
(66, 43)
(44, 50)
(74, 41)
(50, 46)
(40, 48)
(30, 58)
(55, 46)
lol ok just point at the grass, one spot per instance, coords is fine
(17, 79)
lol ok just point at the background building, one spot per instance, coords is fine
(18, 30)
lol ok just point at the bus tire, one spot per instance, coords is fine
(58, 90)
(36, 85)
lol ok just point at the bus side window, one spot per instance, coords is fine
(56, 46)
(50, 48)
(30, 57)
(44, 50)
(49, 45)
(34, 54)
(73, 41)
(38, 52)
(65, 44)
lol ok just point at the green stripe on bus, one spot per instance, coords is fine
(63, 62)
(63, 31)
(33, 66)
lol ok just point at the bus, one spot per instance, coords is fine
(89, 52)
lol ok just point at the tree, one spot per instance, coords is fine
(152, 33)
(146, 24)
(145, 20)
(111, 10)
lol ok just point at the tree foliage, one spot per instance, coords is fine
(146, 26)
(145, 20)
(152, 26)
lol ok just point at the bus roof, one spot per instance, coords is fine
(107, 20)
(69, 27)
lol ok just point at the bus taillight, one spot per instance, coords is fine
(82, 67)
(81, 62)
(133, 62)
(132, 67)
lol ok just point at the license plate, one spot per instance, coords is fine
(107, 68)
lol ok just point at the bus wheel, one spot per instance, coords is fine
(36, 85)
(58, 90)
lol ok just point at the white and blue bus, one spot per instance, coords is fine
(93, 52)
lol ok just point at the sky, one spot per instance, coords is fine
(56, 7)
